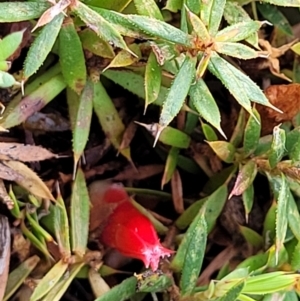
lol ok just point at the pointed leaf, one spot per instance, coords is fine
(278, 146)
(221, 69)
(170, 166)
(99, 25)
(248, 200)
(71, 57)
(19, 110)
(245, 178)
(21, 11)
(276, 17)
(237, 50)
(82, 118)
(293, 216)
(195, 249)
(205, 104)
(238, 31)
(49, 280)
(29, 180)
(152, 80)
(224, 150)
(251, 134)
(17, 277)
(160, 29)
(211, 14)
(178, 92)
(80, 212)
(42, 45)
(237, 135)
(10, 44)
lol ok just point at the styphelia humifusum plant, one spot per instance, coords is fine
(124, 228)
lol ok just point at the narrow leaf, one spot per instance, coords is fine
(21, 11)
(278, 146)
(237, 50)
(42, 45)
(152, 80)
(195, 250)
(80, 210)
(224, 150)
(10, 44)
(178, 92)
(205, 104)
(99, 25)
(71, 57)
(170, 166)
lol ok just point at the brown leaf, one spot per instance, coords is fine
(284, 97)
(9, 174)
(28, 179)
(52, 12)
(274, 54)
(177, 193)
(25, 153)
(5, 253)
(5, 197)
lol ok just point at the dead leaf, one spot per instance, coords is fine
(128, 135)
(9, 174)
(5, 197)
(52, 12)
(284, 97)
(177, 193)
(29, 180)
(25, 153)
(5, 253)
(142, 172)
(274, 54)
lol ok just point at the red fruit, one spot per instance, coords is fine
(129, 231)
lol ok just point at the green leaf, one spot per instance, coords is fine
(238, 31)
(60, 288)
(248, 200)
(252, 237)
(295, 260)
(237, 135)
(99, 25)
(234, 292)
(42, 45)
(209, 132)
(293, 144)
(120, 292)
(160, 29)
(199, 27)
(211, 14)
(71, 57)
(170, 165)
(16, 113)
(221, 69)
(251, 134)
(10, 44)
(80, 213)
(134, 83)
(293, 216)
(152, 80)
(214, 205)
(178, 92)
(276, 17)
(281, 191)
(270, 225)
(205, 104)
(237, 50)
(291, 3)
(296, 48)
(82, 118)
(173, 5)
(109, 118)
(245, 178)
(17, 277)
(148, 8)
(49, 280)
(21, 11)
(6, 80)
(194, 244)
(278, 146)
(224, 150)
(92, 42)
(254, 262)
